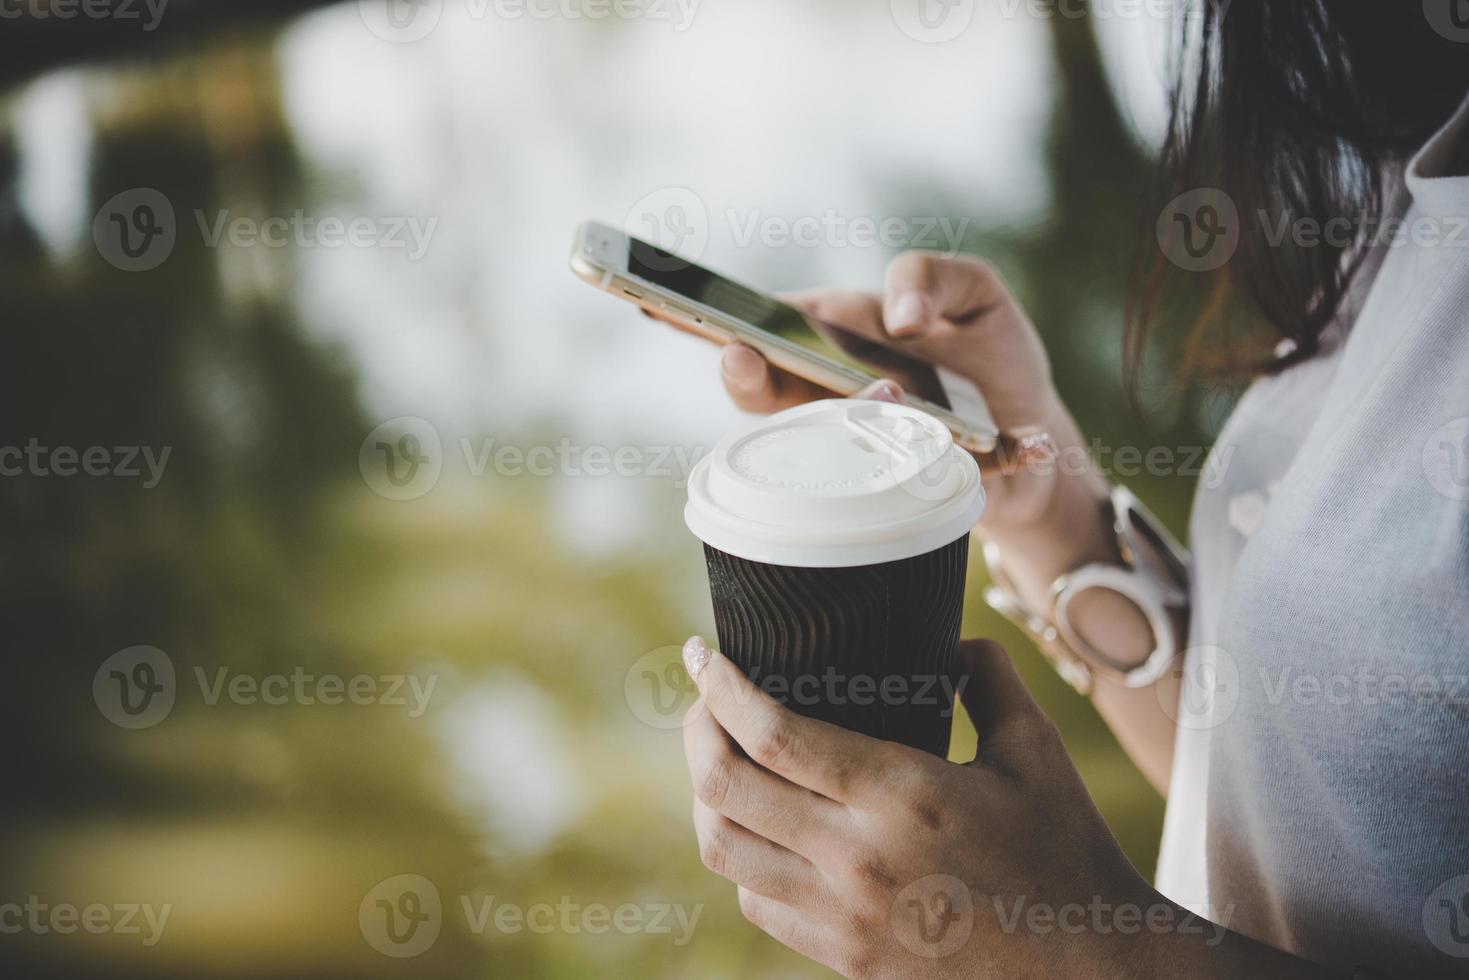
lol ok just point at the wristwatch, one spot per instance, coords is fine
(1153, 576)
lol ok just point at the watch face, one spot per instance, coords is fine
(1081, 601)
(1153, 578)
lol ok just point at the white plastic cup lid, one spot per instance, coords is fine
(833, 484)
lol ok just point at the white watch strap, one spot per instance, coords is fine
(1154, 578)
(1142, 591)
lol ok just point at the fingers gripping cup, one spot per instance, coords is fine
(837, 538)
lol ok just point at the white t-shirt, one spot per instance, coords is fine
(1320, 791)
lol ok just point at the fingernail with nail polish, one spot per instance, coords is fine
(696, 654)
(1036, 447)
(908, 312)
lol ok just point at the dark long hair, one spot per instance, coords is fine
(1295, 109)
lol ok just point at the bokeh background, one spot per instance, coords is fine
(544, 600)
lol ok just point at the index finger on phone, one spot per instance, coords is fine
(923, 287)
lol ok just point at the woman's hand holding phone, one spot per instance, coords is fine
(1046, 502)
(953, 312)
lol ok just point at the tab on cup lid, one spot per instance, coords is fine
(835, 483)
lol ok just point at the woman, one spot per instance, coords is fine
(1318, 794)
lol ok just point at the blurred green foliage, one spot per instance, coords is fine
(261, 551)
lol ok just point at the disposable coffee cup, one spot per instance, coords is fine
(837, 538)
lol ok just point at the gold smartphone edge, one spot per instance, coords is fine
(711, 326)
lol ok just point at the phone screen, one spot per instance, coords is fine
(678, 275)
(713, 290)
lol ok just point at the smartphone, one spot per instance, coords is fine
(722, 310)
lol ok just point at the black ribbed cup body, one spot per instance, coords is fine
(868, 647)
